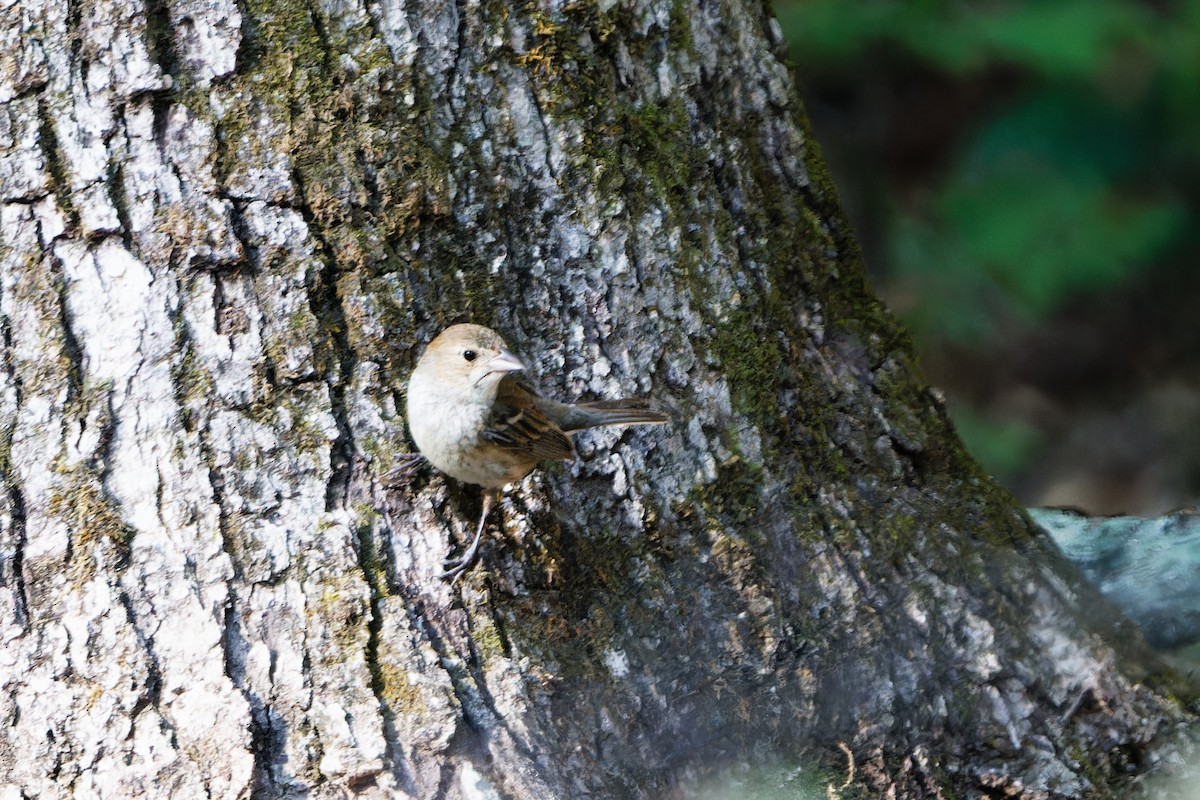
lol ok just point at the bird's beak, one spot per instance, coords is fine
(505, 362)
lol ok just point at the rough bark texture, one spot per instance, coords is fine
(228, 227)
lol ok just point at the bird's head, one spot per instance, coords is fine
(470, 358)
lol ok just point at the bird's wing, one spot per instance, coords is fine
(517, 423)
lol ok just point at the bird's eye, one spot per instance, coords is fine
(470, 355)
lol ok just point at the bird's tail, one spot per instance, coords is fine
(597, 414)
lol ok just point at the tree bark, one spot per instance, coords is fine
(227, 230)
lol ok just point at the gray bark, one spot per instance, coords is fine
(226, 230)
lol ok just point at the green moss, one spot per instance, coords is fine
(656, 143)
(341, 608)
(735, 497)
(290, 72)
(1095, 775)
(679, 34)
(7, 428)
(306, 434)
(572, 622)
(752, 360)
(566, 71)
(192, 384)
(901, 530)
(291, 414)
(92, 520)
(841, 532)
(400, 697)
(488, 640)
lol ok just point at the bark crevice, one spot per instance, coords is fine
(804, 563)
(12, 485)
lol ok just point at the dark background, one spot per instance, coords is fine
(1024, 178)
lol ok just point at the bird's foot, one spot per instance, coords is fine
(407, 465)
(457, 567)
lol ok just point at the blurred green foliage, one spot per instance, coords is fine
(1003, 446)
(1075, 179)
(1004, 157)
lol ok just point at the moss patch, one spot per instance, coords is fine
(753, 363)
(93, 521)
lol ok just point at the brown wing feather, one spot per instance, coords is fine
(517, 423)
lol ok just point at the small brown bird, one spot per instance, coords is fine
(475, 419)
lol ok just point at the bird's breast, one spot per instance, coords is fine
(448, 432)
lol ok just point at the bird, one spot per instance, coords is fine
(475, 416)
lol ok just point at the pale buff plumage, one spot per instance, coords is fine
(475, 417)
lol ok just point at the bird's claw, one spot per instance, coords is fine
(459, 566)
(455, 568)
(407, 465)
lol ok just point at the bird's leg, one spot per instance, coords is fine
(458, 566)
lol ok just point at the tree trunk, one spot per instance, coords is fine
(227, 230)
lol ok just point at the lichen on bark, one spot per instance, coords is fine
(226, 230)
